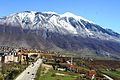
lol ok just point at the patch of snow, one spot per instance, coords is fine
(50, 12)
(86, 29)
(25, 14)
(62, 24)
(68, 14)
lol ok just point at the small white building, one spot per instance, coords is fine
(9, 58)
(6, 57)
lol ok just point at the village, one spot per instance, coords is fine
(15, 60)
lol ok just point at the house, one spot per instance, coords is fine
(6, 57)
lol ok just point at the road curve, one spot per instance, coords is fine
(30, 72)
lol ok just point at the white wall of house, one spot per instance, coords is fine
(15, 59)
(0, 58)
(9, 58)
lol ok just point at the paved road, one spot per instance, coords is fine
(30, 72)
(109, 78)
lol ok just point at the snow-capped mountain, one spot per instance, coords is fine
(51, 30)
(67, 23)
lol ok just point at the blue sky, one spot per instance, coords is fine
(103, 12)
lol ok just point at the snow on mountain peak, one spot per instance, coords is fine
(62, 23)
(68, 14)
(50, 12)
(28, 18)
(30, 14)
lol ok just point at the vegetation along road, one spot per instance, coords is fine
(30, 72)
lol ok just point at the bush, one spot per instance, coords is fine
(1, 77)
(53, 75)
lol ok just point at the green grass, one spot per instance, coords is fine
(50, 75)
(39, 72)
(12, 70)
(118, 70)
(114, 74)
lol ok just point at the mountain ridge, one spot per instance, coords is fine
(51, 31)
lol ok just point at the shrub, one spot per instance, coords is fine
(53, 75)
